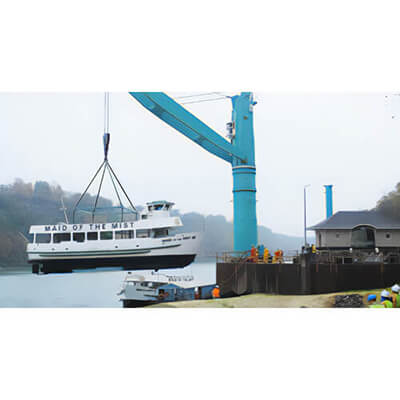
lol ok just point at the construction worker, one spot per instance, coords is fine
(396, 296)
(386, 300)
(215, 292)
(371, 302)
(266, 255)
(278, 256)
(260, 251)
(253, 254)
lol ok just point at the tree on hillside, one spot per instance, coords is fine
(390, 203)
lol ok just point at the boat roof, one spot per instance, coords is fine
(167, 282)
(160, 203)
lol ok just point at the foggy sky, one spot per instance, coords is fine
(348, 140)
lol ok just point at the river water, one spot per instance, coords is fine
(86, 289)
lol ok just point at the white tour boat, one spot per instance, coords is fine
(147, 243)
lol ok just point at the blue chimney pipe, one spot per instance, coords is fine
(328, 198)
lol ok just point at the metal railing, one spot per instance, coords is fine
(356, 256)
(232, 256)
(244, 256)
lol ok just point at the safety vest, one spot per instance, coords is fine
(215, 292)
(387, 304)
(396, 300)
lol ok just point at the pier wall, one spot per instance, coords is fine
(246, 278)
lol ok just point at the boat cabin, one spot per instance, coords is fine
(159, 208)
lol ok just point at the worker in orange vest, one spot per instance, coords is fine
(253, 254)
(215, 292)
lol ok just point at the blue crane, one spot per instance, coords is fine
(239, 152)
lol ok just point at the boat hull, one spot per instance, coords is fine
(120, 263)
(137, 303)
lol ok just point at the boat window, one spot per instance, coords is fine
(61, 237)
(158, 207)
(31, 237)
(143, 233)
(157, 233)
(144, 216)
(107, 235)
(92, 236)
(78, 237)
(43, 238)
(124, 234)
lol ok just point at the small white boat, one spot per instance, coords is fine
(139, 290)
(147, 243)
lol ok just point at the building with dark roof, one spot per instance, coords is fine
(357, 230)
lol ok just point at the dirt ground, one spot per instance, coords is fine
(261, 300)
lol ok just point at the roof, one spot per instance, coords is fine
(351, 219)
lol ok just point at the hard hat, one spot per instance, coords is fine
(385, 293)
(371, 297)
(216, 285)
(396, 288)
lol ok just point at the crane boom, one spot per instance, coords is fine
(165, 108)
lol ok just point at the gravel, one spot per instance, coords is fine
(349, 301)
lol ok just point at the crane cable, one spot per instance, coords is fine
(191, 101)
(201, 101)
(106, 112)
(105, 165)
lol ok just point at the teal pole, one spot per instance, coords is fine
(244, 174)
(328, 200)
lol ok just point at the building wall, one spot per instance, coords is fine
(392, 241)
(331, 238)
(342, 238)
